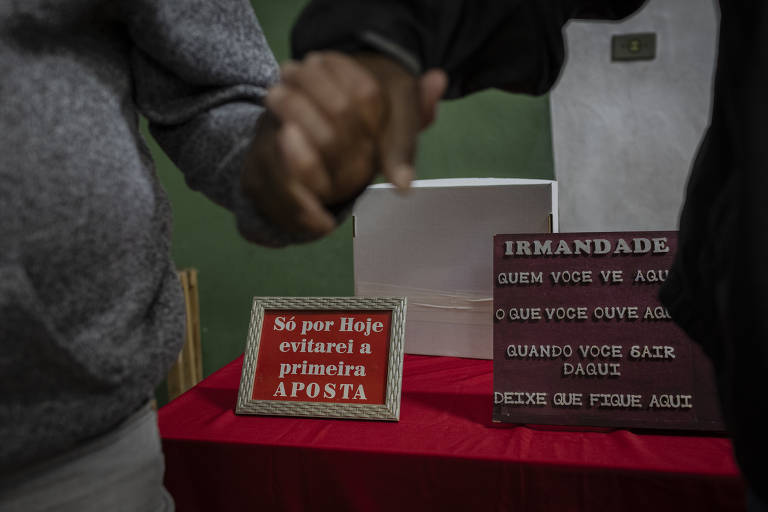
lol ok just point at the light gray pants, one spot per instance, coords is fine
(119, 471)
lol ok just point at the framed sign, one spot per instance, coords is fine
(580, 337)
(324, 357)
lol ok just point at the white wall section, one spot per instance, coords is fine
(625, 133)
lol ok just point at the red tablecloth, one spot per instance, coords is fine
(444, 454)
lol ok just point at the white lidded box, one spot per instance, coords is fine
(434, 245)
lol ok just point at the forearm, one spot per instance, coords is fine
(201, 70)
(513, 45)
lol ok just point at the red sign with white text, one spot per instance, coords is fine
(323, 356)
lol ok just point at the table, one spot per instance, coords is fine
(443, 454)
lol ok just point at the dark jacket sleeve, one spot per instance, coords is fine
(512, 45)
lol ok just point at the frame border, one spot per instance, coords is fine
(388, 411)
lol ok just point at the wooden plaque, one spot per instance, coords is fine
(580, 337)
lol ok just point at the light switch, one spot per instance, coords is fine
(633, 47)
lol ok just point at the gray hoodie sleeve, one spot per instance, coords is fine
(201, 70)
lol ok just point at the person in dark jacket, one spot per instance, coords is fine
(717, 289)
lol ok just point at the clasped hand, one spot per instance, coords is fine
(332, 124)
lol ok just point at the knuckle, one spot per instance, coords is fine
(306, 165)
(289, 69)
(312, 175)
(322, 186)
(368, 91)
(314, 59)
(276, 97)
(326, 140)
(341, 107)
(338, 58)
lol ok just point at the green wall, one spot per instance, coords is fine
(490, 134)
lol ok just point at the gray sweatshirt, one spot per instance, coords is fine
(91, 311)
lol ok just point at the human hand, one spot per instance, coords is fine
(281, 177)
(314, 146)
(331, 125)
(411, 107)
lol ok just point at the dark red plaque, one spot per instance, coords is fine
(580, 337)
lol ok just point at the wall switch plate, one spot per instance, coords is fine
(633, 47)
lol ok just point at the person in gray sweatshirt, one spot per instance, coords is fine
(91, 311)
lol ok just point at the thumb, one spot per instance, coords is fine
(411, 109)
(397, 147)
(402, 95)
(432, 86)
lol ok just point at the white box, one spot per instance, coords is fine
(434, 245)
